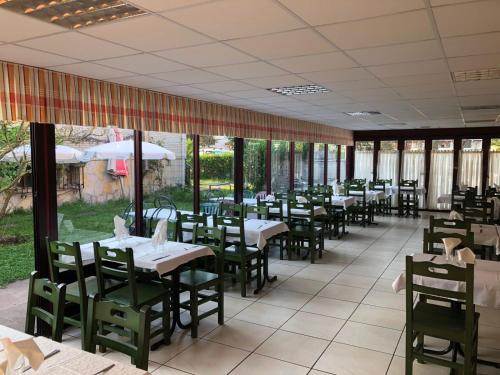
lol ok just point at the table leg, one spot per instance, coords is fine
(265, 276)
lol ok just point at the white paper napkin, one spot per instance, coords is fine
(121, 230)
(160, 234)
(454, 215)
(466, 255)
(301, 200)
(449, 244)
(270, 198)
(13, 350)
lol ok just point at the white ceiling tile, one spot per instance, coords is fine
(490, 87)
(187, 77)
(448, 2)
(142, 63)
(161, 5)
(253, 94)
(78, 46)
(147, 33)
(338, 75)
(247, 70)
(286, 44)
(426, 50)
(182, 90)
(378, 93)
(474, 62)
(212, 54)
(90, 70)
(319, 12)
(28, 56)
(15, 27)
(373, 32)
(228, 19)
(143, 82)
(417, 79)
(355, 85)
(469, 18)
(225, 86)
(472, 45)
(312, 63)
(405, 69)
(277, 81)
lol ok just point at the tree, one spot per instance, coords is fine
(12, 135)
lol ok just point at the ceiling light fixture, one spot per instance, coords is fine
(73, 14)
(362, 113)
(476, 75)
(300, 90)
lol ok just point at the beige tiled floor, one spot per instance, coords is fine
(339, 316)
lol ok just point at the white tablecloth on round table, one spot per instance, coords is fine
(342, 201)
(486, 281)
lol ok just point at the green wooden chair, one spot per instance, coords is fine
(52, 293)
(358, 213)
(408, 200)
(303, 233)
(123, 318)
(436, 238)
(67, 258)
(383, 206)
(451, 322)
(478, 211)
(247, 259)
(197, 281)
(117, 264)
(261, 212)
(209, 208)
(275, 210)
(231, 209)
(186, 223)
(448, 224)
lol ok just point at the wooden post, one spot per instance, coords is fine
(349, 162)
(401, 147)
(325, 165)
(310, 175)
(376, 149)
(196, 173)
(268, 167)
(428, 150)
(138, 187)
(486, 163)
(457, 145)
(43, 172)
(238, 169)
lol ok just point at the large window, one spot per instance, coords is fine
(254, 166)
(414, 161)
(441, 173)
(332, 164)
(280, 166)
(16, 217)
(494, 163)
(319, 163)
(301, 166)
(216, 167)
(388, 161)
(343, 158)
(86, 210)
(363, 160)
(470, 165)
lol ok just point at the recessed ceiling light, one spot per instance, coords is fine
(300, 90)
(73, 14)
(362, 113)
(476, 75)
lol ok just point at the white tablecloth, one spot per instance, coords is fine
(318, 210)
(486, 281)
(371, 195)
(163, 259)
(341, 201)
(484, 234)
(69, 359)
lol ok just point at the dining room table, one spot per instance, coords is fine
(486, 283)
(165, 259)
(61, 358)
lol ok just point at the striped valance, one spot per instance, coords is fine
(45, 96)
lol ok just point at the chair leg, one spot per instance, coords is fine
(193, 304)
(220, 301)
(243, 280)
(409, 352)
(166, 319)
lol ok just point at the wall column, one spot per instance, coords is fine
(196, 173)
(457, 145)
(486, 163)
(325, 165)
(349, 162)
(138, 188)
(376, 149)
(238, 169)
(268, 166)
(291, 169)
(310, 174)
(339, 156)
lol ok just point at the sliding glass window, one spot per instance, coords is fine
(441, 173)
(470, 164)
(319, 163)
(388, 161)
(343, 158)
(363, 160)
(216, 168)
(254, 167)
(332, 164)
(301, 166)
(280, 166)
(494, 164)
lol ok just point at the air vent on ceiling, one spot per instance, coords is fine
(476, 75)
(73, 14)
(480, 107)
(362, 113)
(300, 90)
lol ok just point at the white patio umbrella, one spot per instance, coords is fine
(64, 154)
(125, 150)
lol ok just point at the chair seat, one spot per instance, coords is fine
(73, 292)
(304, 229)
(146, 293)
(231, 250)
(441, 321)
(197, 278)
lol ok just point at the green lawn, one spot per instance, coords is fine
(83, 222)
